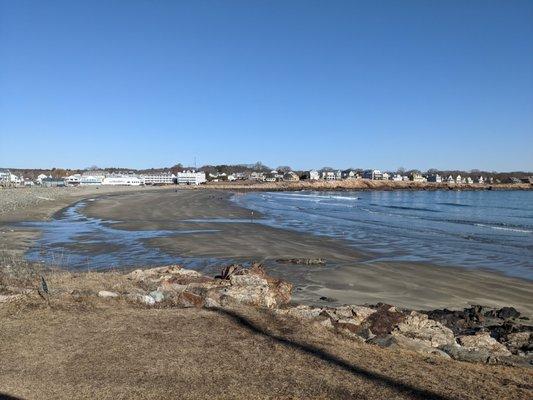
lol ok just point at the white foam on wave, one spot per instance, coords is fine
(316, 196)
(501, 228)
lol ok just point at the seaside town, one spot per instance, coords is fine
(110, 177)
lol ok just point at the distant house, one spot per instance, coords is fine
(417, 177)
(270, 177)
(458, 179)
(239, 176)
(73, 180)
(481, 180)
(436, 178)
(190, 178)
(373, 174)
(385, 176)
(469, 180)
(397, 178)
(257, 176)
(5, 177)
(314, 175)
(350, 174)
(328, 175)
(291, 177)
(8, 178)
(450, 179)
(41, 177)
(53, 182)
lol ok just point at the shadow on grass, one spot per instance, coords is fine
(4, 396)
(380, 379)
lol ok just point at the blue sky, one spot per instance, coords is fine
(382, 84)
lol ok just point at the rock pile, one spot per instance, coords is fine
(475, 334)
(237, 285)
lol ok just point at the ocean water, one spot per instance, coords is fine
(471, 229)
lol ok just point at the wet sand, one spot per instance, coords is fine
(350, 275)
(39, 204)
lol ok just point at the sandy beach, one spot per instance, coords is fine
(350, 276)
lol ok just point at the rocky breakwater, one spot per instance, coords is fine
(475, 334)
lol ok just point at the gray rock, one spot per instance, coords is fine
(482, 341)
(157, 295)
(465, 354)
(417, 326)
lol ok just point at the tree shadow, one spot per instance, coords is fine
(4, 396)
(404, 388)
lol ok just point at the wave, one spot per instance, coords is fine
(316, 196)
(454, 204)
(503, 228)
(407, 208)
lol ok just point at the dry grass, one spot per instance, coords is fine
(82, 346)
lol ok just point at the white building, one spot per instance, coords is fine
(190, 178)
(89, 180)
(41, 177)
(314, 175)
(5, 177)
(158, 179)
(469, 180)
(458, 179)
(73, 180)
(328, 175)
(397, 178)
(15, 180)
(374, 174)
(481, 180)
(385, 176)
(122, 180)
(257, 176)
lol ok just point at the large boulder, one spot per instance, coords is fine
(403, 342)
(419, 327)
(482, 341)
(384, 320)
(253, 287)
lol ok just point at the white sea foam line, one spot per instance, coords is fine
(500, 228)
(315, 196)
(44, 198)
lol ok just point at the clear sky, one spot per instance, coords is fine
(372, 84)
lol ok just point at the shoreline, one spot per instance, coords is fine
(350, 277)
